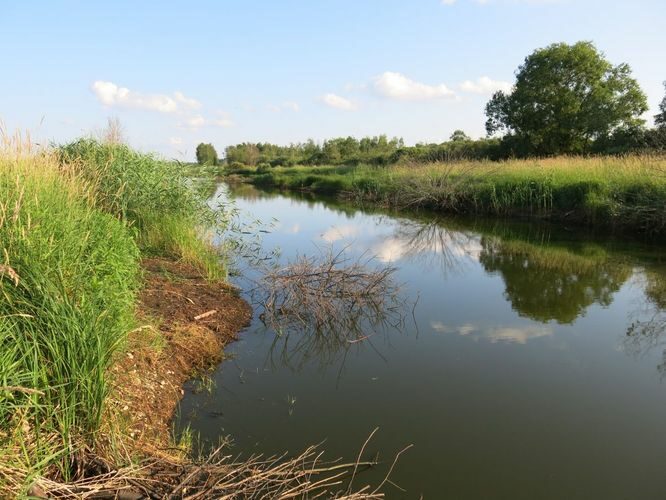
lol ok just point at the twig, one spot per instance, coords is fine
(205, 315)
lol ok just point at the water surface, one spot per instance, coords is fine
(531, 367)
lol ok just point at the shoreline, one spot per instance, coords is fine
(619, 195)
(149, 375)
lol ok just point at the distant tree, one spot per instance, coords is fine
(566, 97)
(206, 154)
(660, 119)
(459, 136)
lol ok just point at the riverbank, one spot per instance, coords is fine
(75, 224)
(624, 194)
(187, 322)
(113, 297)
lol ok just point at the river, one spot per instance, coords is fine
(530, 363)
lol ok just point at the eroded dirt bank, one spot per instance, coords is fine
(148, 377)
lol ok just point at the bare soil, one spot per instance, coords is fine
(149, 374)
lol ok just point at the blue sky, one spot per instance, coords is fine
(178, 73)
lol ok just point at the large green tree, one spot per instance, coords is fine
(565, 97)
(206, 154)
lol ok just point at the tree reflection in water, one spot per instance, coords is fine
(435, 245)
(649, 332)
(548, 283)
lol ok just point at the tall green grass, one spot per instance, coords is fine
(624, 192)
(74, 224)
(153, 197)
(65, 309)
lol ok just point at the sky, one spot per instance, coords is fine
(228, 71)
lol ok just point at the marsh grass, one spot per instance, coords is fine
(625, 192)
(74, 224)
(64, 314)
(154, 198)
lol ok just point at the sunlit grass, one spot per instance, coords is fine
(611, 191)
(66, 312)
(74, 224)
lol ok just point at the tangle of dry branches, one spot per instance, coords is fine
(331, 293)
(218, 476)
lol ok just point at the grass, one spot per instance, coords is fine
(627, 193)
(153, 197)
(74, 224)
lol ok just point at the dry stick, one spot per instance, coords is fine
(395, 460)
(13, 275)
(358, 459)
(25, 390)
(170, 291)
(206, 314)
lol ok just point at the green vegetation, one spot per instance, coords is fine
(614, 192)
(206, 154)
(74, 224)
(553, 282)
(660, 118)
(568, 99)
(565, 98)
(152, 197)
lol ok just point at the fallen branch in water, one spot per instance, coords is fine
(330, 293)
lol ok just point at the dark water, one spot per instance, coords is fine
(532, 368)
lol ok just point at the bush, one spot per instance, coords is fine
(236, 165)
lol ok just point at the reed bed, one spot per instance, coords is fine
(627, 193)
(74, 223)
(69, 277)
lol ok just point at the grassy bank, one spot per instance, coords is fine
(74, 224)
(624, 193)
(112, 298)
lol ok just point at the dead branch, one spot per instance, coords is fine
(330, 294)
(218, 476)
(205, 315)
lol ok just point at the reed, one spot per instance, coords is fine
(153, 197)
(70, 274)
(627, 193)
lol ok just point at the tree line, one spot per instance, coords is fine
(567, 99)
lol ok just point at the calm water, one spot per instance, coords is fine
(515, 378)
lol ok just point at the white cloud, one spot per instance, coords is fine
(187, 102)
(285, 106)
(338, 102)
(398, 86)
(390, 250)
(447, 2)
(175, 141)
(198, 121)
(110, 94)
(510, 334)
(485, 85)
(221, 122)
(335, 233)
(291, 105)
